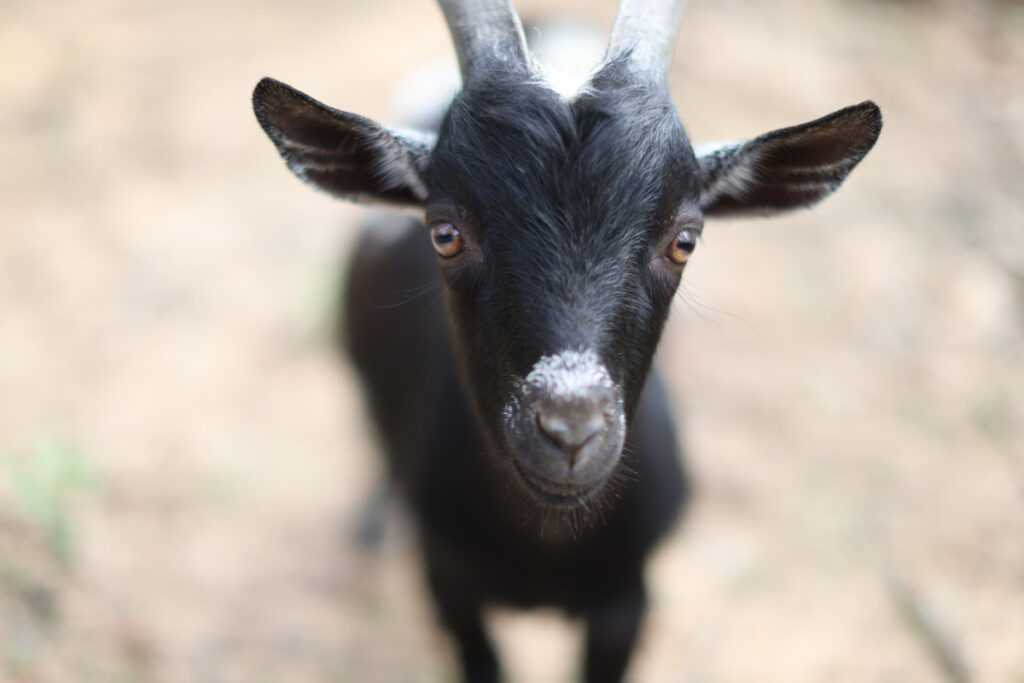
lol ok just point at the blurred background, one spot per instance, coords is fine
(183, 458)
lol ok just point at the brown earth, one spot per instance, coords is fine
(851, 378)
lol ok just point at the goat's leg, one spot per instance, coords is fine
(612, 628)
(461, 611)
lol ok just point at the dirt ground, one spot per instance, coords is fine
(183, 459)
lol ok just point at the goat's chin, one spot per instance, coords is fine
(552, 494)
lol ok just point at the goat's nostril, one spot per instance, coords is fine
(571, 429)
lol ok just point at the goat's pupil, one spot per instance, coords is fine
(683, 245)
(447, 240)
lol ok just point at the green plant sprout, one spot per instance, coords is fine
(42, 482)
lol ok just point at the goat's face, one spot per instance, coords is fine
(558, 229)
(561, 226)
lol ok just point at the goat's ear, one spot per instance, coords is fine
(787, 168)
(346, 155)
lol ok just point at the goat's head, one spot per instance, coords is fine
(562, 226)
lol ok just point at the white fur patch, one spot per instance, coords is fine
(566, 54)
(569, 373)
(703, 149)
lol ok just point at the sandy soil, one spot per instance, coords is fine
(184, 459)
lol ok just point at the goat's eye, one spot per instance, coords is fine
(446, 238)
(682, 246)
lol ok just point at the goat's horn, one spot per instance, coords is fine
(484, 32)
(646, 31)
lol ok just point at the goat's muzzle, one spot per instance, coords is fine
(565, 426)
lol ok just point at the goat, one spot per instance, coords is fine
(520, 412)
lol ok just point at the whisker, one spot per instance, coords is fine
(701, 306)
(406, 296)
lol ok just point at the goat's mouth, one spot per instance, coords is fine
(550, 493)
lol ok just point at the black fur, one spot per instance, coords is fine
(567, 254)
(485, 540)
(567, 211)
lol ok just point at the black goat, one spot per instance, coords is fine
(520, 414)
